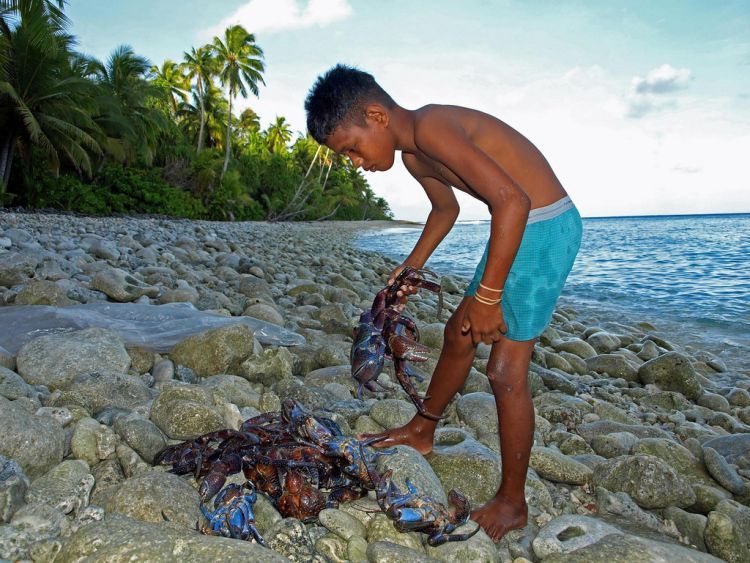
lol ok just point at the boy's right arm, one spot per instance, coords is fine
(439, 222)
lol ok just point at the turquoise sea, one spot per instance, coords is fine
(688, 275)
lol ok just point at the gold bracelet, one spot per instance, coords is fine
(489, 288)
(486, 301)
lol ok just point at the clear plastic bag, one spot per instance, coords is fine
(155, 327)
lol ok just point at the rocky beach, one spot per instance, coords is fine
(642, 447)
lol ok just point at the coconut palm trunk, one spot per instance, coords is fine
(322, 164)
(330, 165)
(202, 131)
(229, 138)
(6, 162)
(314, 158)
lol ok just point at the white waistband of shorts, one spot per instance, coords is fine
(550, 211)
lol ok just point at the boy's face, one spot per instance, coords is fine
(370, 146)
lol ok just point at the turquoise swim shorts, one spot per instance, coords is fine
(545, 257)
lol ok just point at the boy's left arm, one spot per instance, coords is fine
(445, 141)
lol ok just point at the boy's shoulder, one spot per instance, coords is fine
(433, 119)
(433, 114)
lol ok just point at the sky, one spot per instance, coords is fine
(640, 107)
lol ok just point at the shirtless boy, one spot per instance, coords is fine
(534, 237)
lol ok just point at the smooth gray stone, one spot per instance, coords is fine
(554, 466)
(453, 462)
(290, 538)
(692, 526)
(734, 448)
(216, 351)
(119, 538)
(728, 531)
(185, 411)
(647, 479)
(626, 548)
(37, 443)
(386, 552)
(100, 390)
(613, 365)
(152, 495)
(553, 380)
(407, 463)
(140, 434)
(576, 346)
(725, 474)
(392, 413)
(591, 429)
(672, 372)
(55, 360)
(12, 386)
(569, 533)
(65, 487)
(13, 485)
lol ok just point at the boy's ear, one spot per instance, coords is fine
(378, 114)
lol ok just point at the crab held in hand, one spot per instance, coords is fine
(383, 332)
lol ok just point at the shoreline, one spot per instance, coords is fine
(721, 339)
(601, 313)
(377, 223)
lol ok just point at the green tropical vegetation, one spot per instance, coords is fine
(127, 136)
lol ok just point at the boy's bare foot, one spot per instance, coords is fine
(414, 433)
(499, 516)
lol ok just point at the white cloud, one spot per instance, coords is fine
(272, 16)
(642, 104)
(662, 79)
(647, 95)
(687, 168)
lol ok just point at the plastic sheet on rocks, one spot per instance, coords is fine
(155, 327)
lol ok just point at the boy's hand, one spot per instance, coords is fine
(485, 322)
(405, 290)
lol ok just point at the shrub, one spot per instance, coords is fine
(115, 190)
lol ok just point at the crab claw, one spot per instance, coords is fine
(407, 349)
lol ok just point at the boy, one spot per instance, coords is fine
(534, 237)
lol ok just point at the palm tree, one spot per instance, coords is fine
(170, 78)
(52, 9)
(241, 68)
(278, 135)
(248, 124)
(44, 104)
(214, 111)
(200, 65)
(126, 109)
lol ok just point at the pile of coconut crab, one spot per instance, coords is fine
(384, 332)
(302, 464)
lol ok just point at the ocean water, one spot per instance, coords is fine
(689, 276)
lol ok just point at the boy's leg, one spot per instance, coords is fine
(507, 370)
(450, 373)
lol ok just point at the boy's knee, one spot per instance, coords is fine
(453, 337)
(509, 387)
(509, 369)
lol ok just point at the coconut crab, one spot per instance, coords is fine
(233, 515)
(383, 332)
(416, 512)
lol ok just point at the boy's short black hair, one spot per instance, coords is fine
(339, 96)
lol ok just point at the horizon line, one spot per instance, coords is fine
(667, 215)
(625, 216)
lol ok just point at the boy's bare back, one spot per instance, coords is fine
(509, 150)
